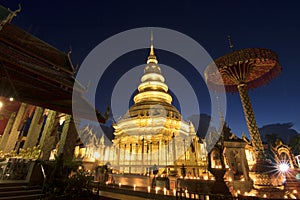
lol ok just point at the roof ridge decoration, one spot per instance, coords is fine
(11, 14)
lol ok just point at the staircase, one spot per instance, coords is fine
(19, 191)
(291, 183)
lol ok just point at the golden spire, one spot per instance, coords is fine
(152, 57)
(230, 42)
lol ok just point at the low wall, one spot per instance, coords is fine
(131, 179)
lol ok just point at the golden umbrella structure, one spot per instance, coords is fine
(242, 70)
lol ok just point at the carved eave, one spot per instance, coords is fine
(246, 139)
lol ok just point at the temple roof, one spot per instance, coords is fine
(34, 72)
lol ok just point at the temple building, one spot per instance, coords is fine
(36, 86)
(152, 133)
(150, 141)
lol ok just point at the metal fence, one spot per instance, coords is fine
(184, 195)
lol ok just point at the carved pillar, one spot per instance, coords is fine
(174, 148)
(47, 139)
(102, 146)
(34, 129)
(14, 133)
(68, 138)
(251, 122)
(158, 152)
(130, 156)
(7, 131)
(124, 158)
(143, 164)
(118, 152)
(244, 164)
(150, 153)
(184, 149)
(108, 154)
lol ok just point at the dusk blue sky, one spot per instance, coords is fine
(267, 24)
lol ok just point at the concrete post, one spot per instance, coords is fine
(47, 140)
(7, 131)
(34, 129)
(14, 133)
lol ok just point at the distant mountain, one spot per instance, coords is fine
(284, 131)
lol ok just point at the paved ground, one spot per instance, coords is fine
(113, 196)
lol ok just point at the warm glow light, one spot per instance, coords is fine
(174, 192)
(252, 194)
(157, 189)
(239, 192)
(96, 155)
(134, 186)
(152, 76)
(149, 189)
(11, 99)
(153, 84)
(61, 120)
(165, 191)
(120, 184)
(283, 167)
(242, 179)
(230, 179)
(265, 196)
(295, 191)
(186, 193)
(1, 104)
(106, 182)
(153, 95)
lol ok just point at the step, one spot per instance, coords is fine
(11, 188)
(12, 183)
(15, 188)
(20, 192)
(23, 197)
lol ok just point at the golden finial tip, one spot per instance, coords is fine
(230, 42)
(151, 44)
(151, 37)
(152, 57)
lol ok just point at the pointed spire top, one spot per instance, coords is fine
(230, 43)
(152, 57)
(152, 45)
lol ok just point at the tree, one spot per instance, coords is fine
(271, 139)
(295, 144)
